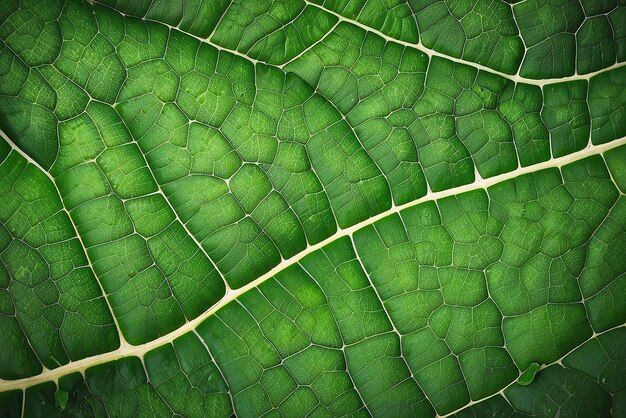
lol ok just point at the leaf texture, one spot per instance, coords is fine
(312, 208)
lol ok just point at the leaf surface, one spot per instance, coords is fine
(312, 208)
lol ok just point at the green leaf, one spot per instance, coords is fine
(312, 208)
(61, 398)
(529, 375)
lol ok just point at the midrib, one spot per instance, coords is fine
(232, 294)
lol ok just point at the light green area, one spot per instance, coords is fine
(365, 79)
(161, 155)
(527, 377)
(272, 32)
(51, 307)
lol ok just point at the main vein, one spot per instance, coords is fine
(232, 294)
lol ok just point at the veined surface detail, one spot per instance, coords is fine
(323, 208)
